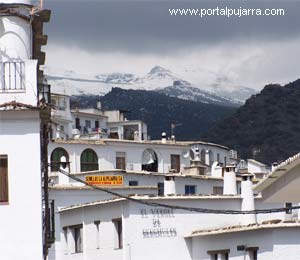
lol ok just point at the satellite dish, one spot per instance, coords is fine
(148, 157)
(192, 154)
(186, 154)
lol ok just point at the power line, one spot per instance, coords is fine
(156, 204)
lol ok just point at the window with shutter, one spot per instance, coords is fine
(121, 160)
(3, 178)
(175, 162)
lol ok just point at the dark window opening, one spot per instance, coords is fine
(121, 161)
(161, 188)
(89, 161)
(133, 183)
(190, 189)
(175, 162)
(3, 178)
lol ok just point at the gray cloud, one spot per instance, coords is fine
(147, 27)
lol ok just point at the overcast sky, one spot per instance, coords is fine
(95, 36)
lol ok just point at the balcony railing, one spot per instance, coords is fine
(12, 76)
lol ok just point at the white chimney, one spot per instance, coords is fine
(173, 139)
(163, 137)
(274, 166)
(136, 136)
(247, 200)
(207, 157)
(169, 185)
(99, 105)
(197, 155)
(229, 180)
(216, 170)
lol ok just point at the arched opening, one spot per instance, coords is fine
(55, 159)
(89, 161)
(202, 156)
(149, 161)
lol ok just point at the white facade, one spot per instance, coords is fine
(147, 232)
(21, 235)
(21, 216)
(274, 242)
(106, 150)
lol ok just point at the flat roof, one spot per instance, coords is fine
(152, 197)
(118, 171)
(77, 187)
(243, 228)
(150, 142)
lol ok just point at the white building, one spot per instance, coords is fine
(123, 229)
(21, 37)
(92, 123)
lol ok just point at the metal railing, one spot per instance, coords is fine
(12, 76)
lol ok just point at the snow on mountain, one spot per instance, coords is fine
(184, 90)
(158, 79)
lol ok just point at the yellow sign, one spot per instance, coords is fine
(104, 180)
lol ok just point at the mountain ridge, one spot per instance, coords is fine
(157, 79)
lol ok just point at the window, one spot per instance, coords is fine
(77, 123)
(77, 233)
(56, 158)
(219, 254)
(218, 157)
(175, 162)
(121, 160)
(118, 233)
(218, 190)
(88, 123)
(3, 178)
(96, 124)
(97, 224)
(133, 183)
(190, 189)
(89, 161)
(161, 188)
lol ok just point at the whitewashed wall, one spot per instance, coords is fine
(273, 244)
(21, 218)
(138, 218)
(134, 152)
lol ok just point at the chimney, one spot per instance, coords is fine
(197, 155)
(173, 139)
(229, 180)
(207, 157)
(169, 185)
(163, 137)
(98, 105)
(247, 200)
(274, 166)
(136, 136)
(216, 169)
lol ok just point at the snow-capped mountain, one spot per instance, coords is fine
(184, 90)
(157, 79)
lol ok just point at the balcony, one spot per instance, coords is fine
(12, 76)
